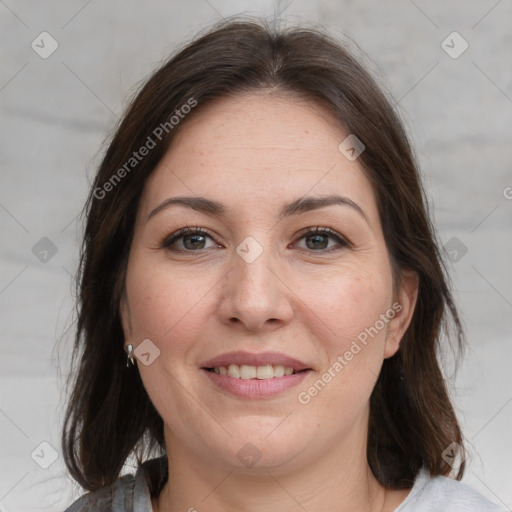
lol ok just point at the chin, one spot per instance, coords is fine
(254, 449)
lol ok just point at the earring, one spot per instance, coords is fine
(129, 358)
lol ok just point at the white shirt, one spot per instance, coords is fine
(442, 494)
(130, 493)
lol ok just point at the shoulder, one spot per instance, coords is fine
(129, 493)
(430, 494)
(105, 498)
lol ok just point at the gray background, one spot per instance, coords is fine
(56, 113)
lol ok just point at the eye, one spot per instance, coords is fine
(195, 239)
(319, 239)
(188, 240)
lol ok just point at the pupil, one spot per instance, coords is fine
(318, 238)
(196, 240)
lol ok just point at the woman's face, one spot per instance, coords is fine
(249, 284)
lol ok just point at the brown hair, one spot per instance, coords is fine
(109, 414)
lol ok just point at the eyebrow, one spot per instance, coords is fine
(296, 207)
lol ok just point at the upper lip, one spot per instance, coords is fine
(251, 359)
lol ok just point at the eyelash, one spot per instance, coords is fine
(197, 230)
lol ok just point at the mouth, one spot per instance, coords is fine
(255, 376)
(247, 372)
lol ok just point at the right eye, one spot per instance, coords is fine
(190, 240)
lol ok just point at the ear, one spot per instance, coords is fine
(125, 315)
(405, 302)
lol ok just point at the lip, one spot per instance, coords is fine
(255, 388)
(252, 359)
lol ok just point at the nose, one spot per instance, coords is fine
(256, 296)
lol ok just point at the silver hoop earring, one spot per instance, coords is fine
(130, 358)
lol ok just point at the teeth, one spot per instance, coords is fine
(278, 370)
(245, 371)
(234, 371)
(265, 372)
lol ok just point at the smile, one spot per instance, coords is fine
(246, 372)
(243, 385)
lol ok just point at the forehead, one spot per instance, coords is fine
(258, 147)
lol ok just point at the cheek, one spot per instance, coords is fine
(343, 313)
(352, 309)
(169, 309)
(343, 303)
(164, 305)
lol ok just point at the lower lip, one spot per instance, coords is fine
(256, 388)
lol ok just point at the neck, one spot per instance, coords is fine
(340, 480)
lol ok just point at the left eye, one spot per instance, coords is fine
(319, 239)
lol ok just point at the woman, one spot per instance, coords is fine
(262, 295)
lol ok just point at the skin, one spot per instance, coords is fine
(253, 153)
